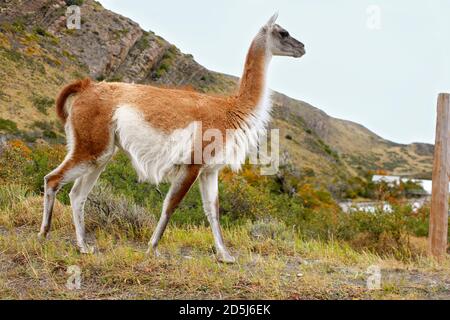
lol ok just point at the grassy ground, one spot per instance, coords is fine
(270, 266)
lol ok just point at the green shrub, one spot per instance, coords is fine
(50, 134)
(269, 228)
(11, 194)
(358, 187)
(143, 43)
(74, 2)
(166, 61)
(122, 178)
(117, 214)
(241, 201)
(41, 31)
(18, 26)
(68, 55)
(42, 103)
(47, 129)
(21, 165)
(43, 125)
(8, 126)
(116, 78)
(118, 34)
(13, 55)
(162, 69)
(328, 150)
(382, 232)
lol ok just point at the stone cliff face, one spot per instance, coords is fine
(114, 48)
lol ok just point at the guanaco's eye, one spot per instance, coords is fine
(284, 34)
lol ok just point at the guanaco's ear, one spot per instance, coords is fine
(272, 20)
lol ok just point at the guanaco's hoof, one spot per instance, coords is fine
(42, 236)
(87, 249)
(153, 252)
(226, 258)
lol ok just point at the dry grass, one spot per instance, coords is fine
(271, 265)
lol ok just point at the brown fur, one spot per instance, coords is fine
(72, 88)
(163, 108)
(183, 188)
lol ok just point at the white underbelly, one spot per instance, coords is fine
(155, 155)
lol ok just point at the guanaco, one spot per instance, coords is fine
(156, 127)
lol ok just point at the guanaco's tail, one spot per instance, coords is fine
(75, 87)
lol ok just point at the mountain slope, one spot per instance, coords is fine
(38, 55)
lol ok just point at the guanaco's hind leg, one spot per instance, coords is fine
(78, 196)
(180, 186)
(85, 176)
(51, 187)
(53, 182)
(210, 197)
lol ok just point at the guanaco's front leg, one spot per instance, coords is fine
(179, 188)
(210, 197)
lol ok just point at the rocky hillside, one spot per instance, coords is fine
(38, 55)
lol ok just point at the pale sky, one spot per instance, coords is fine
(386, 79)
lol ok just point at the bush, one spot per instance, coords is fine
(241, 202)
(143, 43)
(11, 194)
(42, 103)
(166, 62)
(270, 229)
(13, 158)
(27, 166)
(42, 32)
(74, 2)
(122, 178)
(115, 214)
(8, 126)
(358, 187)
(47, 129)
(13, 55)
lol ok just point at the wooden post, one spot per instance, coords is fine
(439, 196)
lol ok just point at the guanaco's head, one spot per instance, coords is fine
(280, 42)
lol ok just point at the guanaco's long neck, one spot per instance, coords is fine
(253, 82)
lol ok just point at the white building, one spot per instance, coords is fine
(426, 184)
(373, 206)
